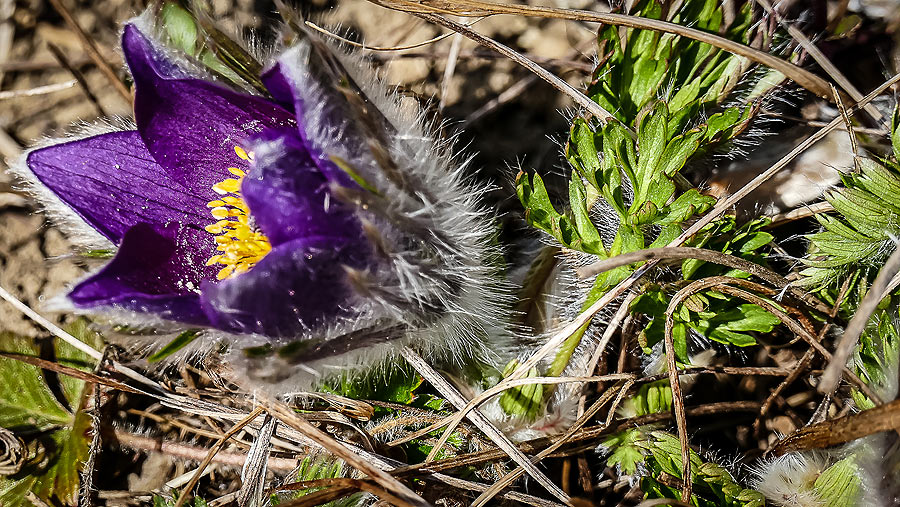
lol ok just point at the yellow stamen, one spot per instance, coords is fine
(241, 153)
(240, 244)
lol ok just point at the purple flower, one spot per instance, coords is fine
(222, 215)
(322, 219)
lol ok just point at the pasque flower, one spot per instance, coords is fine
(277, 215)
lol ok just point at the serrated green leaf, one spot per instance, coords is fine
(27, 406)
(625, 453)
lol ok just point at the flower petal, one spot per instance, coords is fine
(296, 287)
(157, 270)
(288, 195)
(113, 183)
(192, 126)
(317, 111)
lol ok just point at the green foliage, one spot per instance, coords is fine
(711, 314)
(625, 453)
(667, 93)
(57, 426)
(639, 66)
(398, 385)
(855, 243)
(524, 401)
(850, 250)
(161, 501)
(877, 354)
(181, 341)
(651, 453)
(314, 468)
(839, 484)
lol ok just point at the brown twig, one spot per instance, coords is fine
(703, 254)
(397, 491)
(194, 453)
(92, 51)
(843, 429)
(475, 8)
(79, 77)
(677, 395)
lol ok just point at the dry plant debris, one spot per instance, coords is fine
(694, 300)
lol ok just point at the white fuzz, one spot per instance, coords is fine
(439, 284)
(464, 284)
(788, 480)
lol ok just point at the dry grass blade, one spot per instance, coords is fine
(481, 422)
(564, 87)
(398, 492)
(850, 338)
(79, 77)
(806, 211)
(92, 51)
(842, 430)
(713, 256)
(617, 392)
(802, 77)
(355, 44)
(39, 90)
(186, 492)
(69, 371)
(455, 419)
(822, 60)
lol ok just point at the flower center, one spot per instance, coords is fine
(240, 244)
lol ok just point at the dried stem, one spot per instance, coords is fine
(456, 399)
(186, 492)
(804, 78)
(564, 87)
(91, 49)
(713, 256)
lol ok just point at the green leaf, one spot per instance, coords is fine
(652, 139)
(525, 401)
(396, 386)
(29, 408)
(685, 206)
(625, 454)
(181, 341)
(679, 150)
(839, 485)
(590, 237)
(180, 27)
(730, 325)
